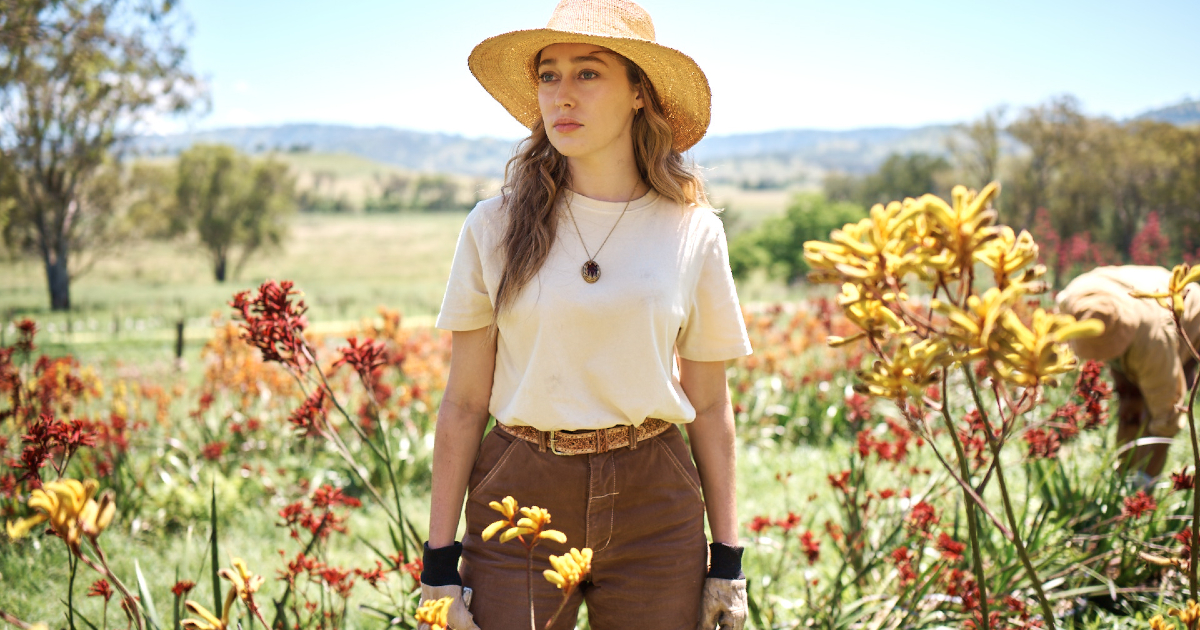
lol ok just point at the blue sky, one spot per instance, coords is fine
(771, 64)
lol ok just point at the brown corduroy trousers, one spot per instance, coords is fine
(641, 512)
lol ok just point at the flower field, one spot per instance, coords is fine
(913, 474)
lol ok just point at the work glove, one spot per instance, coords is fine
(723, 602)
(439, 578)
(458, 616)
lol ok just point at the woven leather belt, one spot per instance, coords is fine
(585, 442)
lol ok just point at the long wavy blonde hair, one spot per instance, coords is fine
(537, 174)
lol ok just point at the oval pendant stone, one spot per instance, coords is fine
(591, 271)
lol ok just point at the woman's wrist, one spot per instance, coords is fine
(725, 561)
(441, 565)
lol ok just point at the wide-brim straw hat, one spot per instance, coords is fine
(504, 64)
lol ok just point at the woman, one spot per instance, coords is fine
(570, 297)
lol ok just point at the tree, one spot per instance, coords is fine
(236, 205)
(778, 243)
(903, 176)
(1055, 135)
(899, 176)
(76, 78)
(976, 147)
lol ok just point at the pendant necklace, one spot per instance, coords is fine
(591, 269)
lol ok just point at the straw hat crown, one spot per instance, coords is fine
(616, 18)
(504, 64)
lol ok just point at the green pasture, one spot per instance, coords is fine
(347, 265)
(127, 304)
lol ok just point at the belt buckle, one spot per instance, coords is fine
(554, 450)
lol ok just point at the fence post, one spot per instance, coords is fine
(179, 339)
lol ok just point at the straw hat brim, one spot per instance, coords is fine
(504, 66)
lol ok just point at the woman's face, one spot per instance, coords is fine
(586, 99)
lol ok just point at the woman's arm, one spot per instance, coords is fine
(461, 419)
(712, 439)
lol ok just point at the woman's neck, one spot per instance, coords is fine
(606, 180)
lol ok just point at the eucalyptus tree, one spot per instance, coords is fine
(236, 205)
(77, 78)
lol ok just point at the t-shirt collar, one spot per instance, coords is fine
(579, 202)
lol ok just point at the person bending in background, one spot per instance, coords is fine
(1152, 370)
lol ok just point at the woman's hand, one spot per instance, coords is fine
(723, 604)
(458, 615)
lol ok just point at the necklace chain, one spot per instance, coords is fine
(591, 270)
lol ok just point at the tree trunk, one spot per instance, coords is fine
(219, 267)
(59, 282)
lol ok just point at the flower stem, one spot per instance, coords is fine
(529, 586)
(107, 572)
(1191, 416)
(7, 616)
(1047, 612)
(561, 606)
(344, 451)
(997, 445)
(972, 517)
(74, 563)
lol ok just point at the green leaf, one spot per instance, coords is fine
(755, 611)
(395, 620)
(76, 613)
(216, 557)
(149, 612)
(382, 556)
(396, 544)
(416, 538)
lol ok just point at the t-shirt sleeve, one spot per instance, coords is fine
(714, 329)
(466, 305)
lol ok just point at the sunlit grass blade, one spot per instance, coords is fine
(148, 610)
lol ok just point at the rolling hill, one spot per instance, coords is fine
(759, 159)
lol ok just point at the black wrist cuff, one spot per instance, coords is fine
(725, 561)
(441, 565)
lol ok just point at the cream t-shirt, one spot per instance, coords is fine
(573, 355)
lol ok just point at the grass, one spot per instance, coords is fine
(348, 266)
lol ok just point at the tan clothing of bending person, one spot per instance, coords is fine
(1152, 370)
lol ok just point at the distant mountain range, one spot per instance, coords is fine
(792, 155)
(1185, 113)
(412, 150)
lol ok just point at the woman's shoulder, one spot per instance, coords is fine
(704, 221)
(697, 215)
(486, 215)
